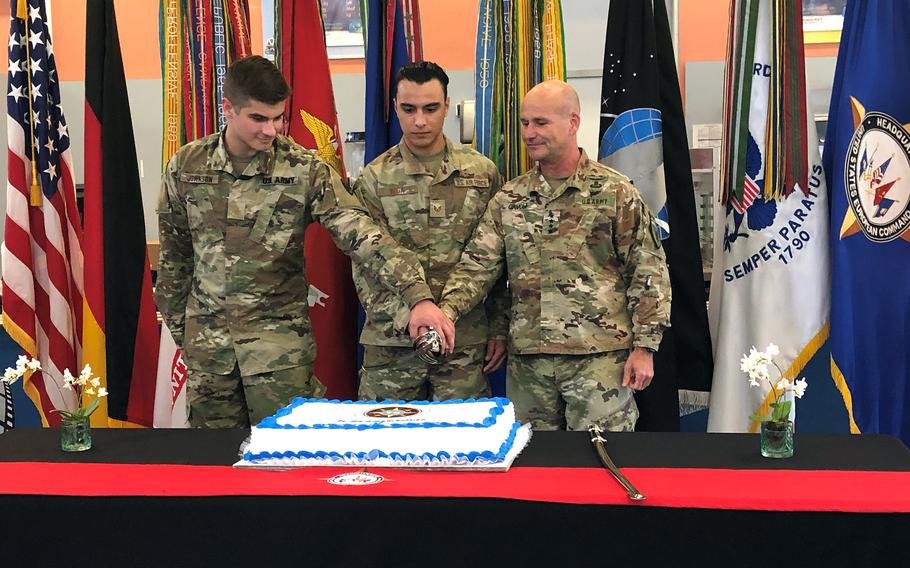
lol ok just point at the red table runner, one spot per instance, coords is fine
(771, 490)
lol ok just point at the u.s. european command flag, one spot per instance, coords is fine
(643, 135)
(867, 163)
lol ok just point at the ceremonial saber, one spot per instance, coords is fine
(600, 446)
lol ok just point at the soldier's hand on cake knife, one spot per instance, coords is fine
(426, 315)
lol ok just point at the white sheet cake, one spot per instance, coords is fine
(397, 434)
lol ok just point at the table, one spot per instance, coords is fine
(227, 530)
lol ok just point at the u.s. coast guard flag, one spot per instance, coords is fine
(771, 262)
(867, 159)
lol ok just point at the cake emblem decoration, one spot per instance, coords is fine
(392, 412)
(356, 478)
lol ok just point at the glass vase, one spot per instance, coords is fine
(75, 435)
(777, 439)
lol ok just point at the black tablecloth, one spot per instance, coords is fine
(346, 531)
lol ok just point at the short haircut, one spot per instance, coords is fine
(257, 78)
(421, 72)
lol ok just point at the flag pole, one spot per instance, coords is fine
(34, 190)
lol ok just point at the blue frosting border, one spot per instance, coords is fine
(272, 421)
(486, 455)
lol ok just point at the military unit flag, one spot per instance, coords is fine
(392, 40)
(170, 392)
(120, 332)
(198, 40)
(519, 44)
(42, 251)
(771, 264)
(313, 123)
(867, 162)
(643, 135)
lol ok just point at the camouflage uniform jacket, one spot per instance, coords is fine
(586, 269)
(432, 215)
(231, 282)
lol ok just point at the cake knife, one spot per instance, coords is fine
(600, 447)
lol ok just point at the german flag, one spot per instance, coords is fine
(120, 335)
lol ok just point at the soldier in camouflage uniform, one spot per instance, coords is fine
(588, 278)
(429, 194)
(231, 285)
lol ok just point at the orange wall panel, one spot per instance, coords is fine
(68, 33)
(702, 33)
(449, 29)
(137, 25)
(4, 21)
(256, 26)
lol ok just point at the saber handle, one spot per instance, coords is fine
(600, 447)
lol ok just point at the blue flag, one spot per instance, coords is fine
(386, 52)
(867, 163)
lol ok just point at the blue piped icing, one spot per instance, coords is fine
(495, 410)
(372, 455)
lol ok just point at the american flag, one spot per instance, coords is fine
(750, 192)
(42, 253)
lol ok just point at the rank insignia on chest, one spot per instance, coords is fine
(279, 180)
(551, 222)
(199, 178)
(437, 208)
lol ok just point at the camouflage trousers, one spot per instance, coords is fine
(395, 373)
(237, 401)
(556, 392)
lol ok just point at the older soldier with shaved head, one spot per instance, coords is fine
(587, 274)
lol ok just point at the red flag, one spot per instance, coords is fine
(42, 253)
(170, 394)
(313, 123)
(120, 329)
